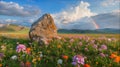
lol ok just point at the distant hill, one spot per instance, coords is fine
(102, 31)
(13, 28)
(109, 30)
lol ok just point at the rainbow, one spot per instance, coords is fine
(94, 23)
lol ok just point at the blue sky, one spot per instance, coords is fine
(27, 11)
(51, 6)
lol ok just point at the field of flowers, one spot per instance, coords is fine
(95, 50)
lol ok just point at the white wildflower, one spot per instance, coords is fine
(59, 61)
(14, 57)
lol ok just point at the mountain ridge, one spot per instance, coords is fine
(103, 31)
(24, 29)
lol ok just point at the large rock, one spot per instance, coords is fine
(43, 29)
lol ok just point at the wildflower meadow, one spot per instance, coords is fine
(92, 50)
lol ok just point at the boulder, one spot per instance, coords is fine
(43, 30)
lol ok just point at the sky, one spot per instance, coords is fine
(68, 14)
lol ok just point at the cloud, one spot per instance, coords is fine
(8, 21)
(83, 23)
(73, 14)
(110, 2)
(21, 21)
(116, 11)
(108, 20)
(14, 9)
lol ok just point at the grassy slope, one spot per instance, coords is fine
(14, 29)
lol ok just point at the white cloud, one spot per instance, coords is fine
(14, 9)
(20, 21)
(116, 11)
(8, 21)
(73, 14)
(108, 20)
(31, 20)
(110, 2)
(84, 23)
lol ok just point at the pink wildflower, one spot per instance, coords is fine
(78, 59)
(103, 47)
(71, 40)
(21, 47)
(102, 55)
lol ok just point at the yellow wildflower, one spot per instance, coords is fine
(58, 46)
(96, 62)
(34, 60)
(39, 59)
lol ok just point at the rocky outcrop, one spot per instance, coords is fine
(43, 29)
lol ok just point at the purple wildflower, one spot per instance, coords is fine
(21, 47)
(95, 46)
(102, 55)
(74, 63)
(1, 55)
(103, 47)
(78, 59)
